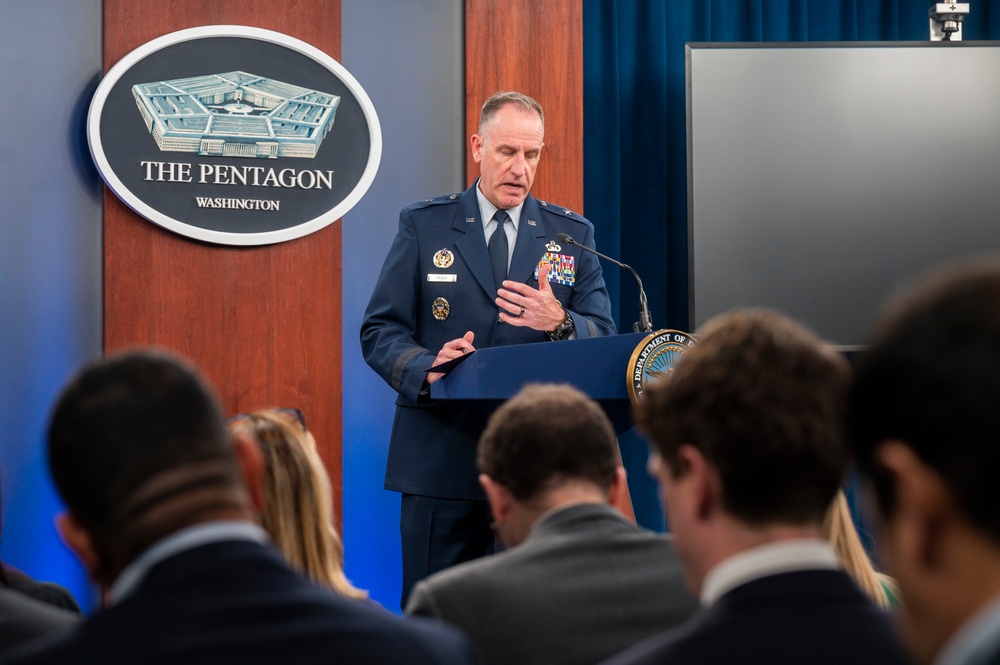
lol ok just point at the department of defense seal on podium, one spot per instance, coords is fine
(654, 358)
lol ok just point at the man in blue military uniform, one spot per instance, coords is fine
(450, 283)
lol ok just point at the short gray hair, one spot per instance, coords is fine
(502, 99)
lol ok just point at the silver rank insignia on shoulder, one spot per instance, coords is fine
(443, 258)
(568, 212)
(553, 247)
(532, 222)
(440, 309)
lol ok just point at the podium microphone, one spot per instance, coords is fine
(645, 322)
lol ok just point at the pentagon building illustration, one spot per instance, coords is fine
(236, 114)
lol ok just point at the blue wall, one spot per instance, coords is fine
(408, 55)
(50, 257)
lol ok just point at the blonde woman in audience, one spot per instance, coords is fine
(298, 506)
(843, 537)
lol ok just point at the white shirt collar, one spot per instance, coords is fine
(779, 557)
(487, 210)
(177, 542)
(976, 639)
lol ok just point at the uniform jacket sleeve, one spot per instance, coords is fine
(388, 334)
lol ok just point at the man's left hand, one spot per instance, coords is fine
(521, 305)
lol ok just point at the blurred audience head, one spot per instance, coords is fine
(138, 449)
(548, 446)
(748, 435)
(298, 500)
(923, 419)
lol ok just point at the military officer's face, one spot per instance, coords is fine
(507, 153)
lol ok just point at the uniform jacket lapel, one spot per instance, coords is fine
(471, 243)
(530, 245)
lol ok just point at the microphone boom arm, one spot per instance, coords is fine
(645, 322)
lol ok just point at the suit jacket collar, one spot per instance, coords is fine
(801, 587)
(185, 539)
(578, 517)
(770, 559)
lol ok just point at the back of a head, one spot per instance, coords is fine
(763, 399)
(546, 435)
(931, 380)
(138, 448)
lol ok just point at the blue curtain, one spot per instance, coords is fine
(635, 149)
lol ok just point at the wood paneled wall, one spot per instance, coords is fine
(263, 323)
(534, 47)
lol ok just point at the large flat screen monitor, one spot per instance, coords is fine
(823, 177)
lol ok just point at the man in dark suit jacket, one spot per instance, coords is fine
(47, 592)
(926, 435)
(580, 582)
(23, 618)
(750, 449)
(451, 283)
(160, 510)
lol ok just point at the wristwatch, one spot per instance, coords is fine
(563, 330)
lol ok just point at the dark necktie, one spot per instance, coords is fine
(498, 248)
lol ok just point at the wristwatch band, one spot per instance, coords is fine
(563, 330)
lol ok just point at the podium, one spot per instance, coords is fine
(596, 366)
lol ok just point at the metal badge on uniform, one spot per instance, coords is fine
(440, 309)
(443, 258)
(470, 220)
(441, 277)
(532, 222)
(553, 247)
(562, 268)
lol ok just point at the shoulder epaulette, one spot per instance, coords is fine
(437, 200)
(559, 211)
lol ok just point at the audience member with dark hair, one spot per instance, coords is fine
(298, 500)
(927, 440)
(49, 593)
(160, 505)
(579, 581)
(750, 450)
(23, 619)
